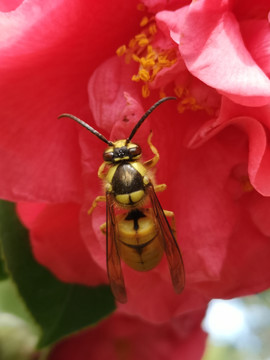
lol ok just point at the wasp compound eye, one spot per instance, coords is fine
(135, 151)
(108, 156)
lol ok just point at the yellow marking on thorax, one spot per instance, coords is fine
(111, 173)
(137, 196)
(139, 167)
(130, 199)
(121, 159)
(123, 199)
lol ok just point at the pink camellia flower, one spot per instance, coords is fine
(217, 175)
(226, 45)
(126, 337)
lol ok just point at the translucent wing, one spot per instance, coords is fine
(169, 243)
(113, 259)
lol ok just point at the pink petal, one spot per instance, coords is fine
(56, 242)
(171, 22)
(249, 120)
(260, 211)
(110, 89)
(213, 49)
(48, 51)
(238, 248)
(153, 6)
(9, 5)
(257, 39)
(130, 338)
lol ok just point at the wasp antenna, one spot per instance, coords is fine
(88, 127)
(148, 112)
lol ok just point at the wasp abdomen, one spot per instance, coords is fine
(138, 243)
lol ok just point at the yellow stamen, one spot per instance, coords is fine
(144, 75)
(143, 42)
(135, 78)
(136, 58)
(150, 49)
(180, 108)
(140, 36)
(145, 90)
(162, 93)
(132, 43)
(155, 71)
(178, 91)
(151, 59)
(189, 101)
(141, 7)
(152, 29)
(147, 62)
(121, 50)
(144, 21)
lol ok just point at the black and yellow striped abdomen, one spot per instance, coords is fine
(138, 240)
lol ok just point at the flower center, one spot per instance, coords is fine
(153, 52)
(150, 58)
(187, 101)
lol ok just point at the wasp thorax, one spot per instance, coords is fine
(121, 152)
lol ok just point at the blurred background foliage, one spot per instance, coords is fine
(239, 329)
(244, 335)
(19, 334)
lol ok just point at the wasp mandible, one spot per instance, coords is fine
(139, 231)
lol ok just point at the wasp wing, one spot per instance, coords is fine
(113, 259)
(170, 245)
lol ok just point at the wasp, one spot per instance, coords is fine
(137, 228)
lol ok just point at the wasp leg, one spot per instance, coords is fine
(103, 228)
(101, 173)
(170, 214)
(95, 202)
(152, 162)
(160, 187)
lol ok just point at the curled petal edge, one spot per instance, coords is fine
(259, 152)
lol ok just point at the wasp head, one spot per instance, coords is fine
(122, 151)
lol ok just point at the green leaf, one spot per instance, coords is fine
(59, 308)
(11, 303)
(3, 272)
